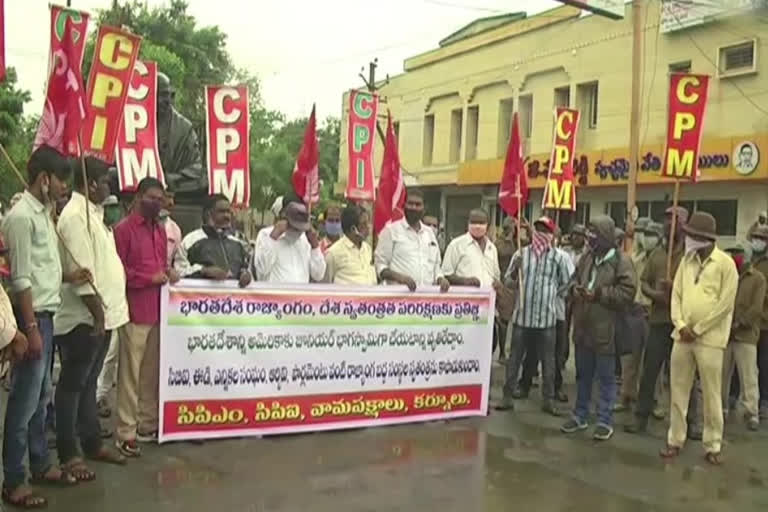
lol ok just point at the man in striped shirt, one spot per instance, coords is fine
(544, 273)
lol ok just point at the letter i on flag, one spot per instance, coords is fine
(390, 199)
(513, 191)
(306, 182)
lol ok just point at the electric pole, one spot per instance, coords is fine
(370, 84)
(638, 38)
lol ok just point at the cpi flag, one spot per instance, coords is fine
(513, 191)
(227, 126)
(560, 190)
(363, 108)
(390, 200)
(306, 181)
(137, 152)
(687, 102)
(113, 61)
(64, 108)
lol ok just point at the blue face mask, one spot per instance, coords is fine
(333, 228)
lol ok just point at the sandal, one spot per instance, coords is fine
(669, 452)
(77, 468)
(29, 501)
(108, 457)
(713, 458)
(64, 479)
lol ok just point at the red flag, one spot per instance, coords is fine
(390, 199)
(512, 198)
(2, 40)
(64, 109)
(306, 182)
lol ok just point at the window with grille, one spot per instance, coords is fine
(737, 59)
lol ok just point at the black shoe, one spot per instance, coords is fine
(572, 426)
(520, 393)
(506, 404)
(640, 426)
(560, 396)
(602, 433)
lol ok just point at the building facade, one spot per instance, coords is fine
(453, 108)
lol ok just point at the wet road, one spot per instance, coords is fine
(504, 462)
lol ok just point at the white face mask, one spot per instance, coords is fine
(650, 242)
(759, 245)
(692, 245)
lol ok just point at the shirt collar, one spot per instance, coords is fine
(32, 201)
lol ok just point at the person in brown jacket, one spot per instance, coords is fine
(741, 352)
(759, 244)
(602, 286)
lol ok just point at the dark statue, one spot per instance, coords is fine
(178, 145)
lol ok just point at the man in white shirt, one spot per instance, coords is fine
(83, 323)
(289, 251)
(471, 259)
(408, 252)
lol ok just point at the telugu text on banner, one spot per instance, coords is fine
(279, 359)
(361, 138)
(687, 104)
(560, 189)
(113, 60)
(227, 125)
(137, 154)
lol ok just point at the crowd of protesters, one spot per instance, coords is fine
(85, 280)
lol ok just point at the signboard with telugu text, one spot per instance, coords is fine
(276, 359)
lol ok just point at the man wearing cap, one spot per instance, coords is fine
(656, 285)
(289, 251)
(578, 246)
(759, 244)
(741, 352)
(703, 296)
(762, 220)
(408, 252)
(544, 273)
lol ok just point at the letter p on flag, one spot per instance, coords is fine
(687, 105)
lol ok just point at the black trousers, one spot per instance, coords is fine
(762, 368)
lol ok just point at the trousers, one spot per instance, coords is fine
(544, 340)
(137, 380)
(744, 357)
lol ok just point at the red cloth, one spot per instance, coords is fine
(306, 181)
(390, 198)
(513, 175)
(142, 246)
(541, 243)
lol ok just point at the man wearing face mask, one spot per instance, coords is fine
(703, 296)
(333, 230)
(213, 252)
(604, 283)
(544, 272)
(36, 277)
(759, 244)
(348, 261)
(741, 351)
(471, 259)
(762, 220)
(408, 252)
(578, 246)
(143, 248)
(289, 251)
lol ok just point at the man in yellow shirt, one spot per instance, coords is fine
(703, 296)
(349, 261)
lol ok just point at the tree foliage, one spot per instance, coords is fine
(16, 133)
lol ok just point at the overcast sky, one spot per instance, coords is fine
(303, 51)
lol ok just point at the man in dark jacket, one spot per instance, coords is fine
(603, 284)
(213, 252)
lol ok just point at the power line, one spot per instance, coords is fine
(453, 5)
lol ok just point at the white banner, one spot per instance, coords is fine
(272, 359)
(680, 14)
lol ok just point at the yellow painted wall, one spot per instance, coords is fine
(557, 49)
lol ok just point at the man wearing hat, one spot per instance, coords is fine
(544, 273)
(578, 243)
(759, 244)
(656, 286)
(762, 220)
(289, 251)
(741, 352)
(703, 296)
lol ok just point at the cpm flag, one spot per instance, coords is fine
(306, 182)
(513, 191)
(687, 105)
(64, 108)
(390, 199)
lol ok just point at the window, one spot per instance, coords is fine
(457, 120)
(725, 211)
(457, 210)
(526, 115)
(563, 96)
(680, 67)
(473, 119)
(737, 59)
(617, 210)
(429, 139)
(505, 126)
(592, 105)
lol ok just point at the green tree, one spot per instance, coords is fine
(16, 133)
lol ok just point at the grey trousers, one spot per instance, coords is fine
(545, 341)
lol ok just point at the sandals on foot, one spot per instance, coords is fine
(77, 468)
(64, 479)
(669, 452)
(713, 458)
(28, 501)
(108, 456)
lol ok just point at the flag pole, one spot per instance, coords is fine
(519, 198)
(673, 228)
(63, 244)
(86, 194)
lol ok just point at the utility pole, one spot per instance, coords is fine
(370, 84)
(638, 40)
